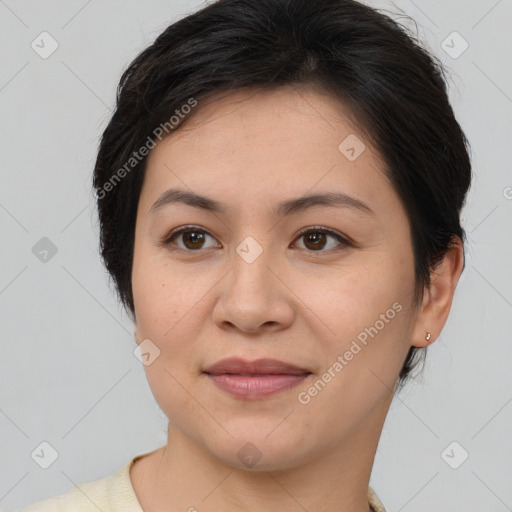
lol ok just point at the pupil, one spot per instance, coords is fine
(315, 238)
(195, 237)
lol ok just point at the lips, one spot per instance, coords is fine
(257, 379)
(258, 367)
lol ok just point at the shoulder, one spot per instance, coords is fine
(82, 498)
(374, 501)
(109, 494)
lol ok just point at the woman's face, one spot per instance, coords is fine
(246, 282)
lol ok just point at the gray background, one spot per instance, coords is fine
(67, 369)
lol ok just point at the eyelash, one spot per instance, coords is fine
(344, 242)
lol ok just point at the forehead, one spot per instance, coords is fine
(251, 146)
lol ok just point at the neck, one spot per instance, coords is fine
(184, 476)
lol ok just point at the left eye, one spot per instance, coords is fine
(315, 239)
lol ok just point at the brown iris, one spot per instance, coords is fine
(196, 239)
(316, 239)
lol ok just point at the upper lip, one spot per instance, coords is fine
(259, 366)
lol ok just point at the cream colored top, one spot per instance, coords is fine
(115, 493)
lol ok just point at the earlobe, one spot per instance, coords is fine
(437, 299)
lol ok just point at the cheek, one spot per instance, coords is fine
(367, 310)
(354, 297)
(165, 315)
(171, 309)
(163, 295)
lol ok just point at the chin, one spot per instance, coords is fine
(253, 451)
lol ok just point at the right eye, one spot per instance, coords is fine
(192, 238)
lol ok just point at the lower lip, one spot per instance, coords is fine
(258, 386)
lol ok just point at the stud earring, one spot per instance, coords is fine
(428, 336)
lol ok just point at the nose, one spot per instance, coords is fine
(254, 297)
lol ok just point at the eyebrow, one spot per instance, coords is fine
(284, 209)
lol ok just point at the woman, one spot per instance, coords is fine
(279, 194)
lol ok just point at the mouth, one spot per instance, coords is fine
(255, 379)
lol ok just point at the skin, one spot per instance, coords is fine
(252, 150)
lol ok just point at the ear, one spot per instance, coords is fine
(437, 299)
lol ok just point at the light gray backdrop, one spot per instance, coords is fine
(68, 374)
